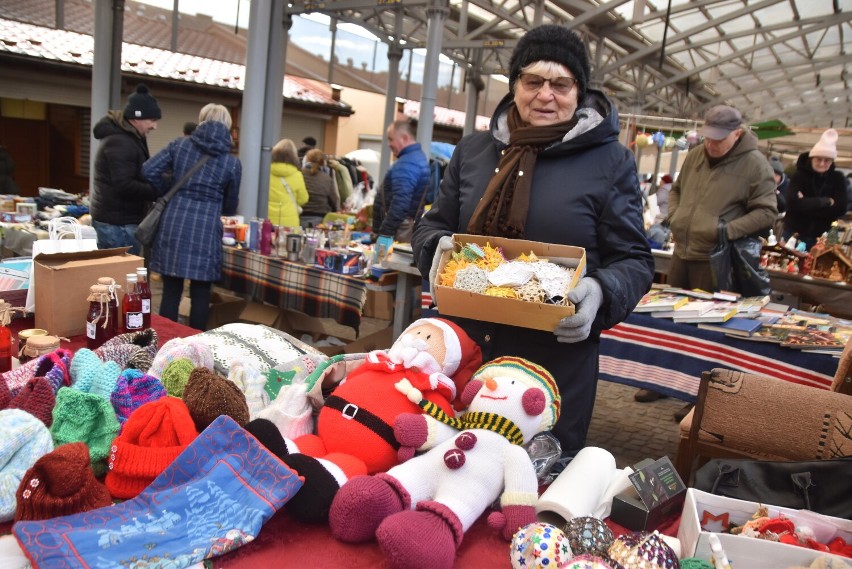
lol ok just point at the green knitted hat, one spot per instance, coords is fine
(176, 375)
(87, 418)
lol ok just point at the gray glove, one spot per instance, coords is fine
(587, 296)
(444, 244)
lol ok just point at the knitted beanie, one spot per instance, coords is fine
(196, 352)
(252, 383)
(91, 374)
(84, 417)
(530, 374)
(135, 350)
(776, 164)
(208, 396)
(5, 394)
(37, 399)
(60, 483)
(52, 366)
(826, 146)
(132, 390)
(176, 376)
(141, 105)
(25, 439)
(154, 435)
(552, 43)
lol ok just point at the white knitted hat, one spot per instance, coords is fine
(25, 440)
(826, 146)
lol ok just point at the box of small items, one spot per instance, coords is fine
(508, 281)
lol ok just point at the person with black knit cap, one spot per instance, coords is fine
(550, 169)
(308, 143)
(121, 195)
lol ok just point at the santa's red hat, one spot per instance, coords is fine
(463, 356)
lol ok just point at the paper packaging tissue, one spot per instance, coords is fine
(584, 488)
(656, 492)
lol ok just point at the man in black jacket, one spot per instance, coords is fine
(121, 195)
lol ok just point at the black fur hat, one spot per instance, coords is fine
(552, 43)
(141, 105)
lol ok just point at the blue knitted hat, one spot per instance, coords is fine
(133, 390)
(25, 440)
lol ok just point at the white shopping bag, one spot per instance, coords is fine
(65, 235)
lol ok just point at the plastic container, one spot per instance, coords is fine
(266, 238)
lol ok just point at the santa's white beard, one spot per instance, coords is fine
(411, 352)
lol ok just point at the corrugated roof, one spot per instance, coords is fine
(27, 40)
(444, 116)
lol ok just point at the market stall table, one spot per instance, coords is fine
(668, 357)
(295, 286)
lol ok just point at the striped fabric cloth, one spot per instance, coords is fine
(295, 286)
(658, 354)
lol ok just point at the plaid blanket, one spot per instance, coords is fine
(295, 286)
(668, 357)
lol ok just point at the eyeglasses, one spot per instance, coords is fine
(821, 159)
(559, 85)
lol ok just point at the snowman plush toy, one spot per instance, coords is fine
(419, 510)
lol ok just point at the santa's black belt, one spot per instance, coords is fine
(366, 418)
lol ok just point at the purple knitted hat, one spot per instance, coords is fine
(52, 366)
(133, 390)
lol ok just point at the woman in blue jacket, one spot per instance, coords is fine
(551, 169)
(189, 239)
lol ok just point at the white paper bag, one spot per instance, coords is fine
(65, 235)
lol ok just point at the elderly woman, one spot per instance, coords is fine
(323, 196)
(816, 196)
(189, 239)
(287, 192)
(550, 169)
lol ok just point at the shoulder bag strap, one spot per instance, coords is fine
(185, 177)
(289, 191)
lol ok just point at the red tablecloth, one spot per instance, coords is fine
(166, 330)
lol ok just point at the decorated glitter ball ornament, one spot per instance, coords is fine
(643, 550)
(588, 535)
(540, 546)
(587, 561)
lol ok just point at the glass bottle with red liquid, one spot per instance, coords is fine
(98, 324)
(113, 326)
(131, 306)
(5, 337)
(144, 288)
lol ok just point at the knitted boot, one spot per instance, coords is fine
(427, 538)
(323, 478)
(362, 504)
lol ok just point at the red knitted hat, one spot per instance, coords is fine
(154, 435)
(36, 397)
(59, 484)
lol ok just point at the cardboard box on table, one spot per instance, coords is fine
(456, 302)
(705, 513)
(62, 282)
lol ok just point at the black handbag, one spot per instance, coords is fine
(146, 231)
(822, 486)
(735, 265)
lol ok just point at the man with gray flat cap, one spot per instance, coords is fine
(724, 180)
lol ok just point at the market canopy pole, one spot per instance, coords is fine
(437, 13)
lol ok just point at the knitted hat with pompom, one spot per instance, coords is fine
(25, 440)
(154, 435)
(196, 352)
(60, 483)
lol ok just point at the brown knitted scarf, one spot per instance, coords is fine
(502, 211)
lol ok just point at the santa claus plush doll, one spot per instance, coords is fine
(354, 434)
(419, 510)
